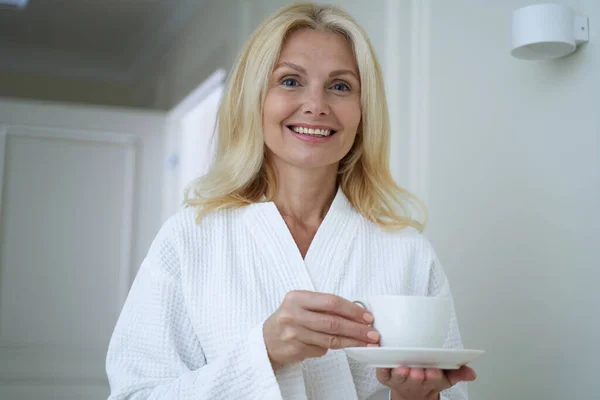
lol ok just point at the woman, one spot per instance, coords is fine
(244, 294)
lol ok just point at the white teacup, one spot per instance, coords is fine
(410, 321)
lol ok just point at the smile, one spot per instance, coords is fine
(311, 131)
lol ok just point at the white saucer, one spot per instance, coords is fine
(392, 357)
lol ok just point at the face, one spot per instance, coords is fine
(312, 110)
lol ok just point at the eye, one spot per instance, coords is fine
(289, 82)
(341, 86)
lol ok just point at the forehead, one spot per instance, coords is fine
(326, 49)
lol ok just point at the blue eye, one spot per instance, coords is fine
(341, 87)
(289, 82)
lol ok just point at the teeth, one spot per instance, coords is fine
(313, 132)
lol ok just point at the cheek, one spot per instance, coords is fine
(269, 109)
(277, 107)
(352, 116)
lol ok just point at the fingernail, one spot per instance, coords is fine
(368, 318)
(373, 335)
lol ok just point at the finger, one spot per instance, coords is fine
(417, 374)
(403, 371)
(433, 374)
(339, 326)
(399, 375)
(435, 381)
(325, 340)
(332, 304)
(464, 374)
(383, 375)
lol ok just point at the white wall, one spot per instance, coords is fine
(512, 167)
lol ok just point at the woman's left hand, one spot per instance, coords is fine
(422, 384)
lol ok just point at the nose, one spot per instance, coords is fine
(315, 103)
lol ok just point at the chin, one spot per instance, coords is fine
(309, 162)
(299, 155)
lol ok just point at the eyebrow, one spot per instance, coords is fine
(298, 68)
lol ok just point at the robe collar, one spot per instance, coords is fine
(327, 252)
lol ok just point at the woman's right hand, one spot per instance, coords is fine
(308, 324)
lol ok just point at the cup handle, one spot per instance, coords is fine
(360, 303)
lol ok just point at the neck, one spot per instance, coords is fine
(305, 195)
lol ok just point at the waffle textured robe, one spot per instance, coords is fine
(191, 327)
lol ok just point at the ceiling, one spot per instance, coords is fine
(106, 40)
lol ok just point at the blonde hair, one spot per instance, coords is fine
(241, 173)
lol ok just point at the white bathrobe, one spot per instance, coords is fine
(191, 327)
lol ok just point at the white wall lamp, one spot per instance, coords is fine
(546, 31)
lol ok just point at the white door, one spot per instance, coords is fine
(190, 139)
(80, 202)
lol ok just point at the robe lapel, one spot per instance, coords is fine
(327, 255)
(325, 259)
(277, 244)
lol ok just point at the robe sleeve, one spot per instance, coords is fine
(154, 352)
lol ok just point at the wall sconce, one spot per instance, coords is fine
(546, 31)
